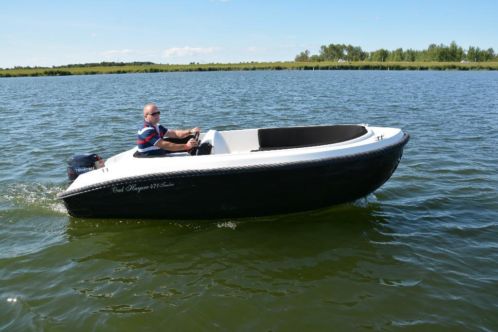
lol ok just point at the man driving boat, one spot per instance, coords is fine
(153, 138)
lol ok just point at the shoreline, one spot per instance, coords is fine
(291, 65)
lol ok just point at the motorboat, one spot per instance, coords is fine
(244, 173)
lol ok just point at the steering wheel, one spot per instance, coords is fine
(193, 151)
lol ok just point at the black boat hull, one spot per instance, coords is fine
(239, 192)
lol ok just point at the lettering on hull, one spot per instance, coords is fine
(140, 188)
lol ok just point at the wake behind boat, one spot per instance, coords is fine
(250, 172)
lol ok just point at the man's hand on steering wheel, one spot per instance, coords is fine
(192, 143)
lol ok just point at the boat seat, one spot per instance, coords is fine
(296, 137)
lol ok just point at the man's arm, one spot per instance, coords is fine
(176, 147)
(179, 133)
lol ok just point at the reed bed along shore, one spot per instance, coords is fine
(155, 68)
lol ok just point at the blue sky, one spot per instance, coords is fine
(46, 33)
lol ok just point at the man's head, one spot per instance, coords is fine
(151, 113)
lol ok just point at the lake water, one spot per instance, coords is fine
(421, 253)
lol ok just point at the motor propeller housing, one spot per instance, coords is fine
(79, 164)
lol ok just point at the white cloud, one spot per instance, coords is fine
(188, 51)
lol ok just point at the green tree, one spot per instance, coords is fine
(354, 53)
(410, 55)
(472, 53)
(332, 52)
(455, 52)
(396, 55)
(432, 53)
(303, 56)
(379, 55)
(487, 54)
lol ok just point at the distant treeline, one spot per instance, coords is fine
(434, 53)
(133, 67)
(94, 64)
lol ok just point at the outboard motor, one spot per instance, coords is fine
(83, 163)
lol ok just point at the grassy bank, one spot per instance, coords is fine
(154, 68)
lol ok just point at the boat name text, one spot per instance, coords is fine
(138, 189)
